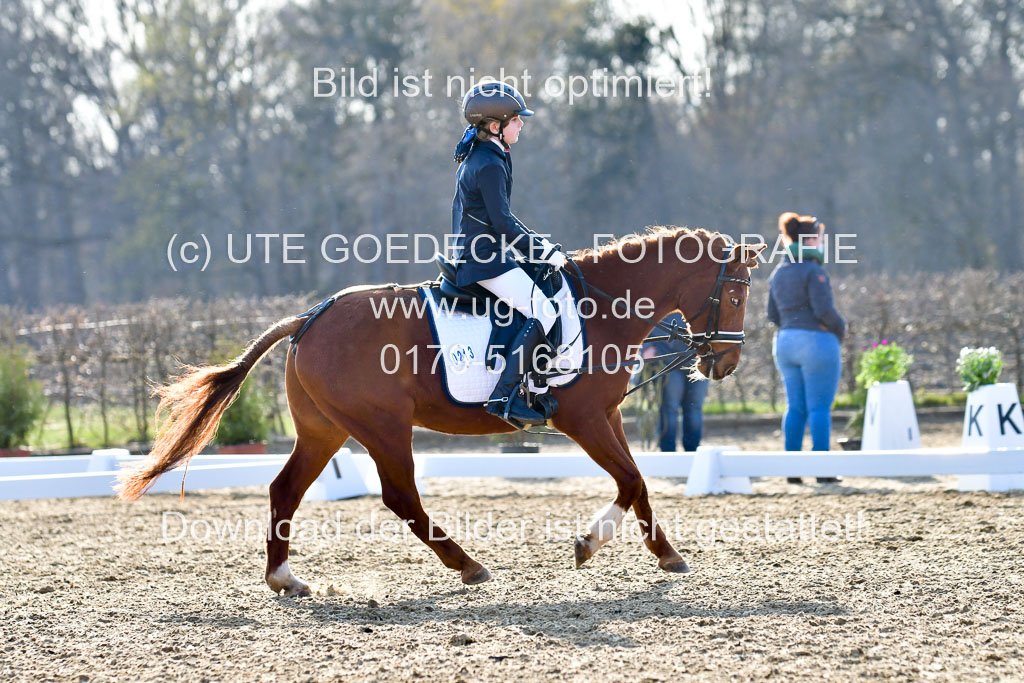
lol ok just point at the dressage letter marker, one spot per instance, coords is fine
(890, 421)
(992, 418)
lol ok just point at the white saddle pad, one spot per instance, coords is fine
(462, 339)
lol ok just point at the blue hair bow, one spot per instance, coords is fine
(465, 145)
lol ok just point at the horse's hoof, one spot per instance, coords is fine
(283, 582)
(472, 576)
(301, 591)
(583, 550)
(676, 566)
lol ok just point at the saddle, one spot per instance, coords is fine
(473, 295)
(472, 299)
(476, 300)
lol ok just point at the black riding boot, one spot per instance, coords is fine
(508, 400)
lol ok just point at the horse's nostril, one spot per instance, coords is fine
(726, 369)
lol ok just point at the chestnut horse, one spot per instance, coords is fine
(337, 388)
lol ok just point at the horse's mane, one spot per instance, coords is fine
(649, 237)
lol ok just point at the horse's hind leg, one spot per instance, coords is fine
(316, 439)
(654, 538)
(392, 452)
(308, 459)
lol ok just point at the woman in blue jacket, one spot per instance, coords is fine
(486, 233)
(806, 347)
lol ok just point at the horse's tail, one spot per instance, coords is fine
(194, 405)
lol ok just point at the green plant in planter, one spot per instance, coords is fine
(247, 419)
(21, 399)
(979, 366)
(883, 361)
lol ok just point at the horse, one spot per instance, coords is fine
(337, 388)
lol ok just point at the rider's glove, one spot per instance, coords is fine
(551, 255)
(556, 260)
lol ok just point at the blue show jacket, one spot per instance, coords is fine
(482, 222)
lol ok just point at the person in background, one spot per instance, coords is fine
(679, 393)
(806, 347)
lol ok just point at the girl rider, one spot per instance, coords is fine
(484, 228)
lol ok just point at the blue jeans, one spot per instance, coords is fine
(677, 393)
(809, 363)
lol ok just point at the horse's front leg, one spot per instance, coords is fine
(598, 439)
(654, 538)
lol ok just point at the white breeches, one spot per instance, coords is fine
(517, 289)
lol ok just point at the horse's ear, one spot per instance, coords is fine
(748, 255)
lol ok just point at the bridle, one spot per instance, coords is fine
(699, 344)
(701, 341)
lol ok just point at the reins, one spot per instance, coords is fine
(699, 343)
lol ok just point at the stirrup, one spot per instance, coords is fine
(524, 415)
(545, 403)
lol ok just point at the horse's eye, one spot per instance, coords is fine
(735, 301)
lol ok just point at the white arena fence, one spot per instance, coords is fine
(711, 470)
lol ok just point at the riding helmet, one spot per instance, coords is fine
(493, 100)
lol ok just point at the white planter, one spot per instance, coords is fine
(890, 422)
(993, 419)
